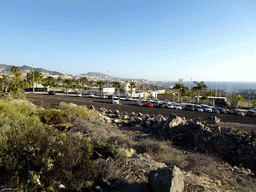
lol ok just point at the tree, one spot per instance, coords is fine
(117, 85)
(50, 81)
(83, 80)
(67, 84)
(131, 86)
(38, 77)
(253, 104)
(200, 87)
(239, 98)
(179, 86)
(100, 84)
(141, 87)
(91, 83)
(78, 84)
(16, 72)
(59, 79)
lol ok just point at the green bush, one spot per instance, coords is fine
(69, 110)
(51, 116)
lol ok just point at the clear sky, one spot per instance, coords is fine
(206, 40)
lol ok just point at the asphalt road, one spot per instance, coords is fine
(48, 101)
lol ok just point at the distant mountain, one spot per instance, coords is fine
(95, 74)
(7, 68)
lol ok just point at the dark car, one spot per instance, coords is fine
(52, 93)
(222, 110)
(190, 107)
(110, 96)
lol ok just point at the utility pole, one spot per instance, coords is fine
(107, 82)
(33, 79)
(216, 91)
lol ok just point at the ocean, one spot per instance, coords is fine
(228, 86)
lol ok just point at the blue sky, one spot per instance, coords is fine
(206, 40)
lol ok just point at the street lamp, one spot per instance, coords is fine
(33, 79)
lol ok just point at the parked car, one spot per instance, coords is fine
(166, 101)
(160, 105)
(51, 93)
(115, 100)
(149, 100)
(148, 104)
(138, 102)
(215, 110)
(252, 112)
(78, 94)
(240, 112)
(128, 98)
(169, 105)
(207, 109)
(110, 96)
(198, 108)
(156, 100)
(222, 110)
(103, 96)
(190, 107)
(91, 95)
(177, 106)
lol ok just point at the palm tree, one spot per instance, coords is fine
(200, 87)
(131, 86)
(78, 84)
(91, 83)
(179, 86)
(59, 79)
(100, 84)
(38, 77)
(117, 85)
(83, 80)
(50, 81)
(16, 72)
(67, 84)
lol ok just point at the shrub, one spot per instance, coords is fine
(52, 155)
(51, 116)
(69, 110)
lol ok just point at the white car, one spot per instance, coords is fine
(91, 95)
(198, 108)
(128, 98)
(207, 109)
(170, 106)
(78, 94)
(177, 106)
(103, 96)
(156, 100)
(166, 101)
(115, 100)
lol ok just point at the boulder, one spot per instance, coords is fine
(166, 179)
(173, 121)
(116, 112)
(140, 114)
(125, 117)
(146, 116)
(213, 119)
(139, 120)
(117, 121)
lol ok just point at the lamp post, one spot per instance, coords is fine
(33, 79)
